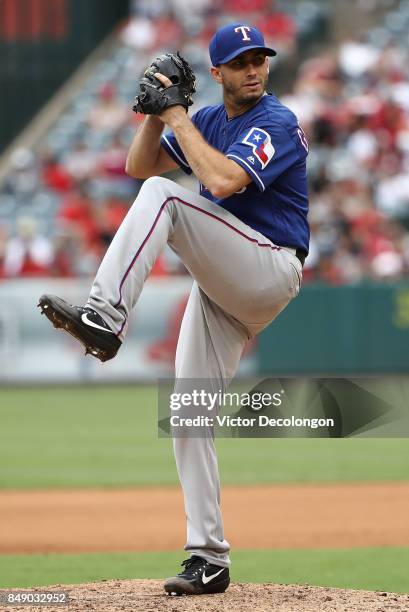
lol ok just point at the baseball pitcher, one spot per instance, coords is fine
(243, 238)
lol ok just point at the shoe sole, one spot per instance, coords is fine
(57, 312)
(179, 586)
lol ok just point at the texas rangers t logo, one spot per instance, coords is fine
(243, 30)
(260, 142)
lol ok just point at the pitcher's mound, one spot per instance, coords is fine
(149, 596)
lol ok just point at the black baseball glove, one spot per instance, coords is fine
(154, 97)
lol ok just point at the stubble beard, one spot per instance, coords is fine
(238, 99)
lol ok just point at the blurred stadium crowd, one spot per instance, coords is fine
(61, 205)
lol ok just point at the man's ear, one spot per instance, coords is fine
(216, 74)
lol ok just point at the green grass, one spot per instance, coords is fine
(367, 568)
(107, 436)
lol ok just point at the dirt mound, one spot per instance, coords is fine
(148, 596)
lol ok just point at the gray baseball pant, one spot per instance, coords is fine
(242, 282)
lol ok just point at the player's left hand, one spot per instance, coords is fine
(169, 81)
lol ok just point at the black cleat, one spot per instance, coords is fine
(84, 324)
(198, 578)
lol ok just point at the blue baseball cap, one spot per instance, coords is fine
(233, 39)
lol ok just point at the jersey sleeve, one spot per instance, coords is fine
(171, 146)
(264, 151)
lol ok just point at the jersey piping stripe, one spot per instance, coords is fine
(231, 156)
(205, 212)
(174, 152)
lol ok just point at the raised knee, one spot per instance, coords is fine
(154, 192)
(157, 183)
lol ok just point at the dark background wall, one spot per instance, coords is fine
(41, 44)
(343, 331)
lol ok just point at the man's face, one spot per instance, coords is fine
(244, 78)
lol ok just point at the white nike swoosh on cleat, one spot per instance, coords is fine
(84, 319)
(206, 579)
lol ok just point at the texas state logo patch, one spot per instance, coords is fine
(260, 142)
